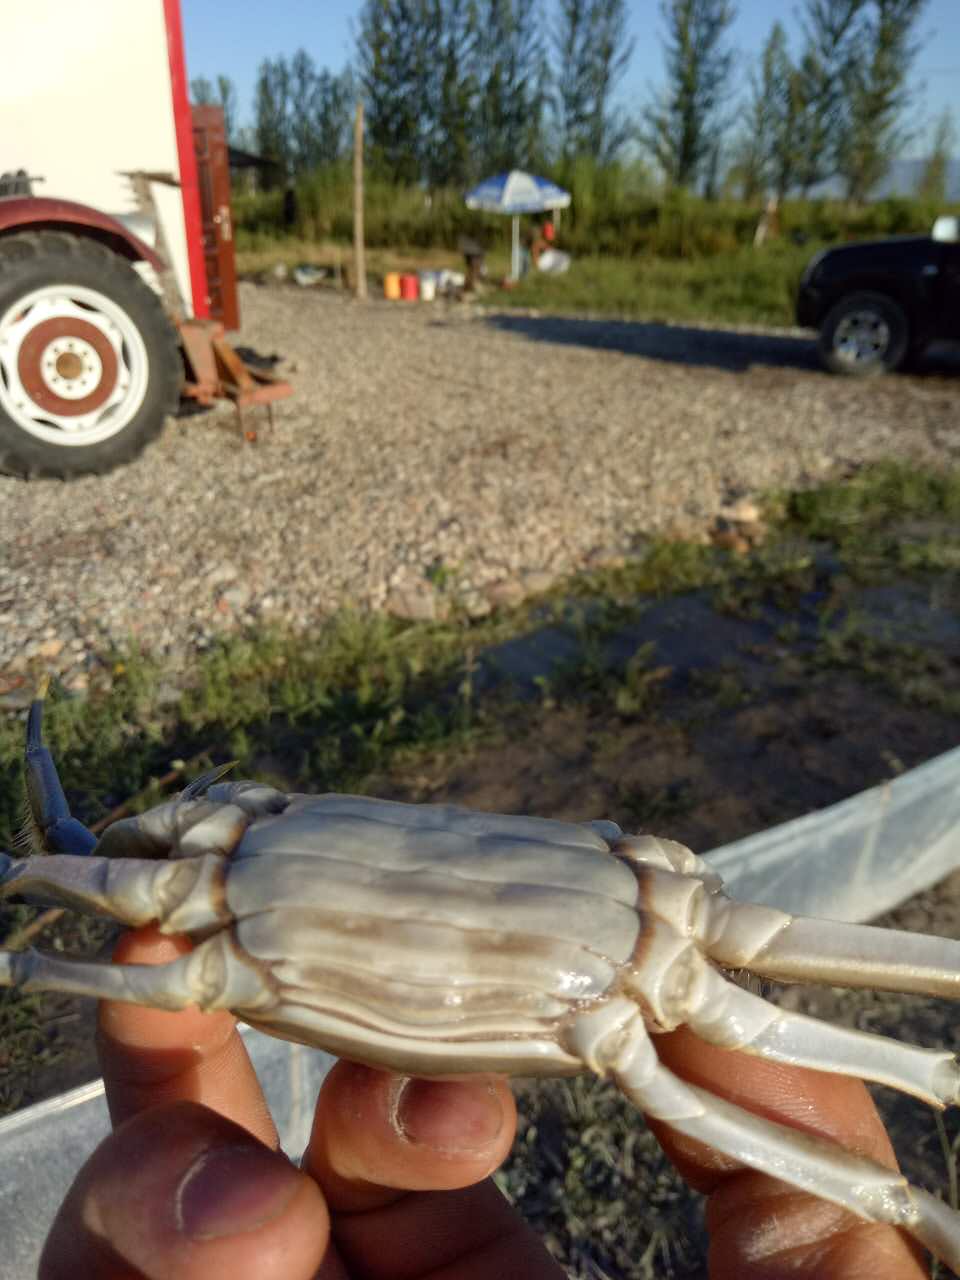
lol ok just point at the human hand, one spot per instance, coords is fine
(191, 1184)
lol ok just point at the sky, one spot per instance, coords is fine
(325, 29)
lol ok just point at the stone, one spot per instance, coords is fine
(538, 581)
(416, 604)
(506, 594)
(745, 511)
(50, 649)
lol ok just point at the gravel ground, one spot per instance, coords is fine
(504, 450)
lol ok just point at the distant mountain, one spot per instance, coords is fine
(904, 178)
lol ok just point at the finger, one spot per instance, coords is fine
(383, 1145)
(150, 1056)
(181, 1191)
(376, 1134)
(761, 1228)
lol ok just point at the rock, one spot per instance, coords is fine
(506, 594)
(222, 573)
(538, 581)
(237, 597)
(50, 649)
(730, 540)
(745, 511)
(417, 604)
(476, 605)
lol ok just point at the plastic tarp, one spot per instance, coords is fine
(859, 858)
(851, 861)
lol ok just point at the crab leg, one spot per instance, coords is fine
(181, 896)
(733, 1018)
(211, 976)
(796, 949)
(812, 1164)
(773, 944)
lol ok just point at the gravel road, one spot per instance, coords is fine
(505, 448)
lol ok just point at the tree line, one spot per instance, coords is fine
(457, 89)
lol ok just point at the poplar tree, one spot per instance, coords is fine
(272, 114)
(936, 169)
(683, 127)
(593, 48)
(509, 65)
(877, 95)
(833, 32)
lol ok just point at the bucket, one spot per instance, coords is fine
(409, 288)
(391, 286)
(428, 286)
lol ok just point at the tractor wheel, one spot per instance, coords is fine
(89, 363)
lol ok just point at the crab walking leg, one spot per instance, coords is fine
(676, 984)
(180, 896)
(211, 976)
(736, 1019)
(822, 1168)
(772, 944)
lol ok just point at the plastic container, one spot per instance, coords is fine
(391, 286)
(428, 286)
(409, 288)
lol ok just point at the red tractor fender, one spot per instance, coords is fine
(22, 213)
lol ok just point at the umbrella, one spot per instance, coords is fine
(514, 193)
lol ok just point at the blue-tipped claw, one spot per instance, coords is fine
(52, 824)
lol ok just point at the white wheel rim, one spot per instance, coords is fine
(73, 366)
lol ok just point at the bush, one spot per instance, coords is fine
(614, 212)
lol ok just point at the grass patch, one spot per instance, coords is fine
(746, 287)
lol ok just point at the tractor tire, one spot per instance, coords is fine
(90, 364)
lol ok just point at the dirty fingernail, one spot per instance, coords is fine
(233, 1189)
(449, 1116)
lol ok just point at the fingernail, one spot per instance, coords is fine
(232, 1189)
(449, 1116)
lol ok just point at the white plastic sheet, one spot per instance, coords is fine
(859, 858)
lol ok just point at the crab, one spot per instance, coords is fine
(436, 940)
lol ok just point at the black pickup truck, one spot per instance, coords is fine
(880, 303)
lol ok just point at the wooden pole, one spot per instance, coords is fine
(359, 265)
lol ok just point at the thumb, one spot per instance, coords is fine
(181, 1191)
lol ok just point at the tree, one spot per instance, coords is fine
(683, 127)
(877, 95)
(511, 95)
(933, 180)
(203, 94)
(395, 39)
(452, 159)
(201, 91)
(819, 93)
(593, 49)
(227, 98)
(272, 112)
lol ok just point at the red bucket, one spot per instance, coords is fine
(409, 288)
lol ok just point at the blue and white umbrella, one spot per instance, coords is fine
(515, 193)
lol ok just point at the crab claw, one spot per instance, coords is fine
(50, 825)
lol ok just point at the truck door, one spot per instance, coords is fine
(213, 177)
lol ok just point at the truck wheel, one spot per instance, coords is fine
(864, 334)
(89, 362)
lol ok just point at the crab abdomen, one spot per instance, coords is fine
(404, 934)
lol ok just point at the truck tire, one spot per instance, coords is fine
(865, 334)
(89, 363)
